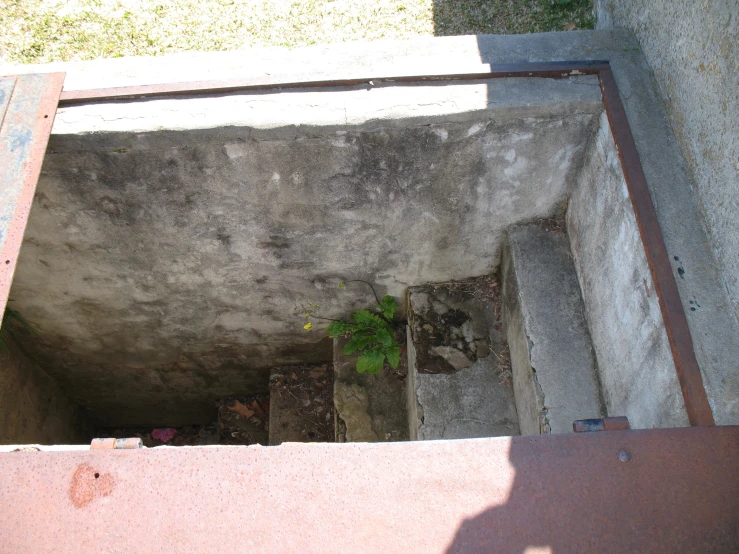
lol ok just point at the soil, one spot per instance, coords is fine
(244, 420)
(304, 403)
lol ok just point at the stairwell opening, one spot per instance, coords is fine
(167, 261)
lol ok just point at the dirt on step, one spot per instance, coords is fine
(244, 420)
(303, 404)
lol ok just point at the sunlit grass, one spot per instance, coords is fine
(33, 31)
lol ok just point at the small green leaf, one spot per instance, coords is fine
(384, 337)
(357, 342)
(370, 362)
(363, 317)
(393, 355)
(338, 328)
(388, 307)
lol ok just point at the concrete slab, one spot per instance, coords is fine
(554, 369)
(513, 494)
(457, 385)
(368, 408)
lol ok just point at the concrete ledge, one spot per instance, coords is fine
(490, 495)
(554, 372)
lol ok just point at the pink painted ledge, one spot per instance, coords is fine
(677, 491)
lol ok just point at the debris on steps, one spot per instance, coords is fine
(554, 368)
(301, 404)
(459, 383)
(368, 408)
(244, 420)
(191, 435)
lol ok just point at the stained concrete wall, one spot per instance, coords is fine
(167, 268)
(693, 48)
(33, 408)
(635, 365)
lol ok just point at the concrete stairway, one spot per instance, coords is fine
(458, 386)
(554, 369)
(367, 408)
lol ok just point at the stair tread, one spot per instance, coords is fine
(459, 385)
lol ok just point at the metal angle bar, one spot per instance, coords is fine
(23, 138)
(676, 323)
(553, 70)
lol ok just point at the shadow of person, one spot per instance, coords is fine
(512, 527)
(660, 490)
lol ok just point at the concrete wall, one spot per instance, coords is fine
(165, 268)
(33, 409)
(635, 365)
(693, 48)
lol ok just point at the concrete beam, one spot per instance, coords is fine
(554, 370)
(568, 493)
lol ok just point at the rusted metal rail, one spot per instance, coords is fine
(551, 70)
(27, 108)
(618, 423)
(673, 313)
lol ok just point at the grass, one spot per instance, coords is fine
(37, 31)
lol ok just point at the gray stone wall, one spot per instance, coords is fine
(693, 49)
(33, 408)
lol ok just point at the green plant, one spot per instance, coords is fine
(371, 335)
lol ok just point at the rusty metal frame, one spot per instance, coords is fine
(676, 324)
(25, 126)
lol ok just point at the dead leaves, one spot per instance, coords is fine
(248, 410)
(258, 410)
(318, 372)
(241, 409)
(569, 26)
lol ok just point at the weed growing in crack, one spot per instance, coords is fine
(370, 334)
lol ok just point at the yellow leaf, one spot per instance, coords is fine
(308, 326)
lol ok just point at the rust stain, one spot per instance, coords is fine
(89, 484)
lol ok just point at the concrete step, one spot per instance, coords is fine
(458, 382)
(554, 369)
(368, 408)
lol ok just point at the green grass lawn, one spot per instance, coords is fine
(34, 31)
